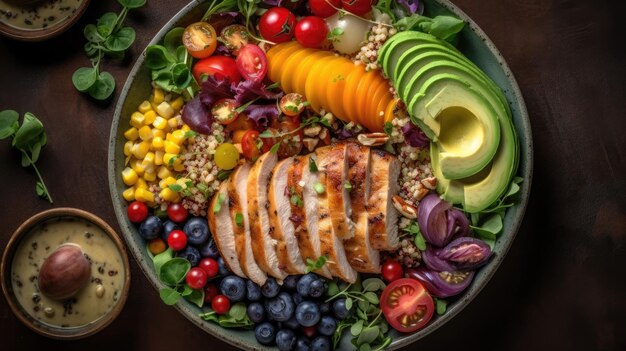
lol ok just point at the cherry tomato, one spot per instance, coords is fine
(196, 278)
(323, 9)
(210, 291)
(226, 156)
(177, 240)
(200, 39)
(391, 270)
(291, 143)
(242, 122)
(237, 136)
(235, 37)
(219, 66)
(210, 266)
(252, 63)
(177, 212)
(220, 304)
(277, 25)
(225, 111)
(406, 304)
(156, 246)
(137, 211)
(357, 7)
(249, 145)
(311, 32)
(291, 104)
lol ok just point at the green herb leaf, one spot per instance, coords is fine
(388, 128)
(356, 328)
(491, 227)
(174, 271)
(319, 188)
(312, 165)
(132, 4)
(39, 190)
(296, 200)
(169, 296)
(30, 132)
(266, 134)
(223, 175)
(9, 123)
(218, 204)
(120, 40)
(103, 87)
(173, 39)
(106, 23)
(419, 241)
(368, 335)
(190, 134)
(158, 57)
(239, 219)
(196, 297)
(238, 311)
(373, 284)
(91, 34)
(335, 34)
(209, 316)
(315, 265)
(333, 289)
(84, 77)
(172, 160)
(371, 297)
(441, 306)
(347, 185)
(349, 303)
(175, 187)
(186, 290)
(275, 148)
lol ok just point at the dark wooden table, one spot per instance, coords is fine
(562, 285)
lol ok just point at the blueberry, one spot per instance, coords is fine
(234, 288)
(265, 333)
(270, 288)
(292, 323)
(253, 291)
(325, 308)
(303, 344)
(339, 309)
(327, 326)
(297, 298)
(317, 288)
(291, 282)
(197, 230)
(168, 226)
(151, 228)
(280, 308)
(304, 284)
(256, 312)
(191, 254)
(224, 271)
(209, 249)
(285, 340)
(321, 343)
(308, 314)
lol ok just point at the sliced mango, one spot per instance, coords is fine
(286, 75)
(336, 88)
(350, 92)
(276, 63)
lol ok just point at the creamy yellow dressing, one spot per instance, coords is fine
(40, 16)
(92, 302)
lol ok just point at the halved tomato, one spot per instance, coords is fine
(250, 145)
(252, 63)
(200, 39)
(407, 305)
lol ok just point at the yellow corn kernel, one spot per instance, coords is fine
(129, 194)
(157, 96)
(166, 182)
(145, 133)
(160, 123)
(177, 103)
(165, 110)
(171, 147)
(185, 128)
(163, 172)
(158, 133)
(178, 137)
(150, 116)
(157, 143)
(141, 149)
(141, 183)
(129, 176)
(131, 134)
(178, 165)
(128, 148)
(169, 195)
(167, 159)
(145, 106)
(148, 161)
(158, 157)
(172, 122)
(149, 176)
(135, 164)
(137, 119)
(144, 195)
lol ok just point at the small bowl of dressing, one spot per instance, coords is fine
(65, 273)
(37, 20)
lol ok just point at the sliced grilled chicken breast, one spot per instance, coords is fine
(382, 216)
(359, 251)
(300, 183)
(331, 244)
(238, 198)
(332, 161)
(222, 229)
(264, 245)
(282, 227)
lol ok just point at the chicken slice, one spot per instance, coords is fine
(382, 215)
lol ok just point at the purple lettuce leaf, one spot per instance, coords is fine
(262, 115)
(214, 89)
(414, 135)
(248, 90)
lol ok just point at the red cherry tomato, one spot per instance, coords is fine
(311, 32)
(291, 144)
(220, 304)
(177, 240)
(210, 266)
(137, 211)
(249, 145)
(196, 278)
(242, 122)
(252, 63)
(219, 66)
(406, 304)
(323, 9)
(277, 25)
(391, 270)
(225, 111)
(357, 7)
(177, 212)
(210, 291)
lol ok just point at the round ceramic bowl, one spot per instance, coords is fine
(473, 42)
(56, 332)
(44, 33)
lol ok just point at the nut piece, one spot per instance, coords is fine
(312, 130)
(404, 207)
(421, 192)
(429, 183)
(310, 143)
(372, 139)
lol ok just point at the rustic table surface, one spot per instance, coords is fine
(561, 287)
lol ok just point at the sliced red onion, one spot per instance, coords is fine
(198, 116)
(432, 260)
(458, 224)
(439, 222)
(442, 284)
(414, 136)
(466, 253)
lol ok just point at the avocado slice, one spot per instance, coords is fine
(391, 51)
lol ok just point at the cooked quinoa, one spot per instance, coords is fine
(368, 55)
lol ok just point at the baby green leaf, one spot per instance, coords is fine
(373, 284)
(312, 165)
(186, 290)
(39, 189)
(106, 23)
(9, 123)
(239, 219)
(319, 188)
(349, 303)
(371, 297)
(181, 77)
(91, 33)
(238, 311)
(121, 39)
(173, 38)
(388, 128)
(29, 132)
(174, 271)
(441, 306)
(157, 57)
(419, 241)
(347, 185)
(196, 297)
(84, 77)
(315, 265)
(132, 4)
(169, 296)
(368, 334)
(275, 148)
(223, 174)
(356, 328)
(103, 87)
(491, 227)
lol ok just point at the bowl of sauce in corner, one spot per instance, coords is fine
(65, 273)
(37, 20)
